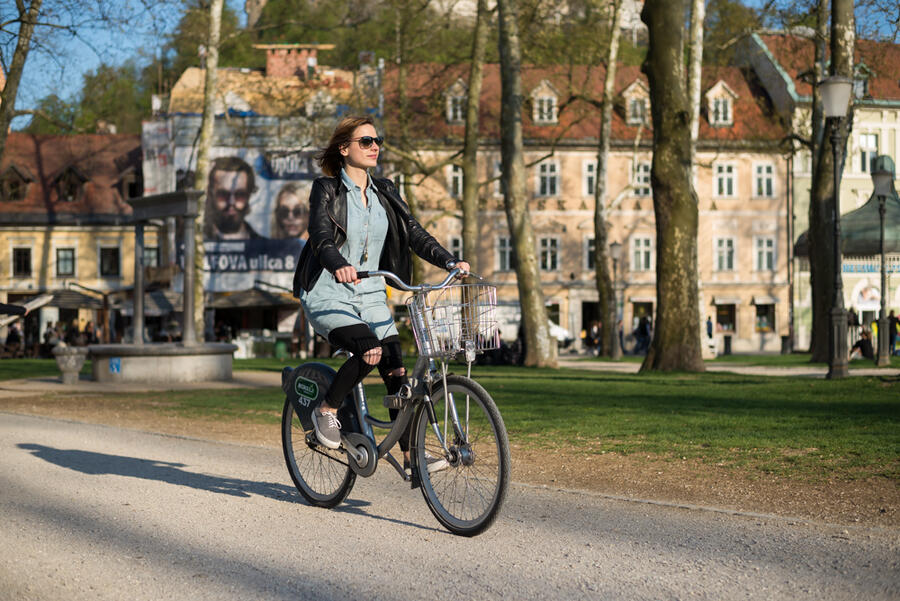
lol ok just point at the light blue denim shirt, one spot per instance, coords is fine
(331, 304)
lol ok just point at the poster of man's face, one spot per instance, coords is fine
(231, 183)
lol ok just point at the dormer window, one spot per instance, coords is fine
(720, 105)
(456, 109)
(545, 109)
(69, 185)
(13, 185)
(456, 102)
(720, 112)
(636, 96)
(545, 105)
(861, 75)
(637, 111)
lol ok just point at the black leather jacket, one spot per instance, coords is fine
(328, 231)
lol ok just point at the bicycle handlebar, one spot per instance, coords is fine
(407, 287)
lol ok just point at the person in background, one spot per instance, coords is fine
(893, 331)
(231, 183)
(863, 347)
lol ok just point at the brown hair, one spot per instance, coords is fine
(330, 158)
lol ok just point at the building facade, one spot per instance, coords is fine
(65, 226)
(783, 66)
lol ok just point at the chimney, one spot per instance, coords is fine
(292, 60)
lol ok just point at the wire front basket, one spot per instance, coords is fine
(461, 318)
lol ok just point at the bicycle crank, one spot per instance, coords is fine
(362, 453)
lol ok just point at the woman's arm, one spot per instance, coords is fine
(321, 229)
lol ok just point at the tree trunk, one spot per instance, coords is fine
(695, 60)
(606, 287)
(824, 280)
(540, 348)
(204, 147)
(676, 338)
(820, 238)
(28, 18)
(470, 148)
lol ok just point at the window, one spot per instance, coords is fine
(456, 247)
(109, 262)
(637, 111)
(590, 244)
(456, 181)
(545, 109)
(725, 254)
(589, 178)
(765, 181)
(860, 87)
(641, 179)
(456, 109)
(506, 256)
(21, 262)
(724, 181)
(151, 256)
(720, 112)
(642, 254)
(868, 149)
(65, 262)
(725, 318)
(13, 186)
(548, 179)
(68, 186)
(765, 318)
(549, 254)
(765, 254)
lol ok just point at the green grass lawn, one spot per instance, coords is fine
(798, 427)
(766, 360)
(14, 369)
(803, 428)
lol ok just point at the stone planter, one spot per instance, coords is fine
(70, 360)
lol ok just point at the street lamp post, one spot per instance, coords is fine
(883, 179)
(615, 251)
(836, 99)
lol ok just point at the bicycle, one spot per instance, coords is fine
(453, 417)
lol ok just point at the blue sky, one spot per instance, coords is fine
(62, 72)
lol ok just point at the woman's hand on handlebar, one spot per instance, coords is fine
(464, 269)
(347, 275)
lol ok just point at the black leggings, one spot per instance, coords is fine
(358, 339)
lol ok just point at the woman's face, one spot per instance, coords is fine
(292, 215)
(354, 153)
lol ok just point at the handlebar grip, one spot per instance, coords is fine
(362, 274)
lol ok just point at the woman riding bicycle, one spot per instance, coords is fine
(358, 222)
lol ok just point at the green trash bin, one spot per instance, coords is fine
(281, 351)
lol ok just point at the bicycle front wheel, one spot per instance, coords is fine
(466, 484)
(321, 474)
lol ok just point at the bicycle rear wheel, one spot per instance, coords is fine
(466, 494)
(321, 475)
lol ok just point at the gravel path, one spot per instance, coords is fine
(95, 512)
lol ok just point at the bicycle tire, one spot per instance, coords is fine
(465, 497)
(320, 474)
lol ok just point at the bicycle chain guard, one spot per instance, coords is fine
(362, 453)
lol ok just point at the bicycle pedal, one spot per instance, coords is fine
(398, 400)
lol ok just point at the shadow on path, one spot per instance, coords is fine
(96, 464)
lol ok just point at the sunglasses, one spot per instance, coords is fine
(284, 212)
(367, 141)
(228, 197)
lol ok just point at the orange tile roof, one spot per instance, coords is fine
(103, 159)
(579, 119)
(796, 55)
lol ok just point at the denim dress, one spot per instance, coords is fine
(330, 304)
